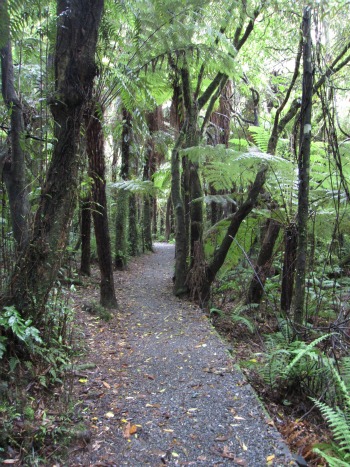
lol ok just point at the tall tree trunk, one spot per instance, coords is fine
(95, 151)
(263, 264)
(304, 168)
(134, 243)
(75, 69)
(180, 275)
(14, 168)
(168, 215)
(288, 273)
(85, 236)
(121, 223)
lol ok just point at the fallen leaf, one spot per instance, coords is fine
(106, 385)
(238, 418)
(221, 438)
(129, 430)
(83, 380)
(174, 454)
(149, 376)
(10, 461)
(244, 447)
(109, 415)
(168, 430)
(270, 458)
(227, 454)
(153, 406)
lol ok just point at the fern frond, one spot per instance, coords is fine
(260, 137)
(142, 187)
(306, 351)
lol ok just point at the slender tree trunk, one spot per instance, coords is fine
(147, 200)
(220, 254)
(85, 236)
(304, 168)
(121, 226)
(168, 215)
(288, 273)
(263, 264)
(14, 168)
(75, 69)
(95, 151)
(134, 247)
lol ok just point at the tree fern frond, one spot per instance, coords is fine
(143, 187)
(260, 137)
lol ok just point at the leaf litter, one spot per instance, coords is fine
(153, 360)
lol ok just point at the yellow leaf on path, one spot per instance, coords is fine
(83, 380)
(106, 385)
(238, 418)
(129, 430)
(174, 454)
(168, 430)
(270, 458)
(244, 447)
(109, 415)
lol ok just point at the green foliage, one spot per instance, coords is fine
(141, 187)
(338, 418)
(260, 137)
(98, 310)
(296, 364)
(10, 319)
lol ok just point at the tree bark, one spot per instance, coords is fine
(263, 264)
(121, 223)
(95, 151)
(304, 168)
(85, 236)
(13, 165)
(288, 273)
(75, 69)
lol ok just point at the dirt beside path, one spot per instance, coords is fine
(164, 390)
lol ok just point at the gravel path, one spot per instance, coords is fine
(165, 391)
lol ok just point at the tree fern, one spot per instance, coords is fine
(260, 137)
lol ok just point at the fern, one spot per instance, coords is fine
(260, 137)
(302, 352)
(143, 187)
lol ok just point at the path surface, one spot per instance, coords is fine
(163, 371)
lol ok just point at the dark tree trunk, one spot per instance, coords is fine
(288, 273)
(85, 236)
(14, 169)
(95, 151)
(75, 69)
(147, 201)
(134, 248)
(304, 168)
(220, 254)
(121, 226)
(279, 125)
(263, 264)
(168, 215)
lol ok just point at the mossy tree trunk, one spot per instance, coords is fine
(95, 151)
(12, 163)
(304, 168)
(37, 267)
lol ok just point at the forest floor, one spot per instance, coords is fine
(161, 387)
